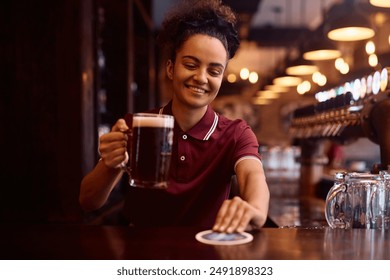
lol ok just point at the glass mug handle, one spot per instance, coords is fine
(335, 210)
(123, 164)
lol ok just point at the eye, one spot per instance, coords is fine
(215, 72)
(190, 66)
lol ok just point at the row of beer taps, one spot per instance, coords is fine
(326, 119)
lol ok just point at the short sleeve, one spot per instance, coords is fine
(246, 143)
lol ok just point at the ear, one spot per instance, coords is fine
(169, 69)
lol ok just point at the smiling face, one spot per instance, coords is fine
(197, 71)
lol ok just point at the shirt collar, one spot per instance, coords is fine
(204, 128)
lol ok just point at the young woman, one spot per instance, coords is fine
(200, 38)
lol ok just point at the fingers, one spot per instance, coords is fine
(113, 145)
(233, 216)
(114, 138)
(114, 157)
(120, 126)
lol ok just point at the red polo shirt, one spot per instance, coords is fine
(203, 161)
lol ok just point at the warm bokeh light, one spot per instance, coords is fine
(363, 87)
(344, 69)
(322, 80)
(253, 77)
(356, 89)
(370, 47)
(371, 84)
(319, 78)
(373, 60)
(316, 76)
(384, 79)
(304, 87)
(339, 63)
(232, 78)
(244, 73)
(376, 82)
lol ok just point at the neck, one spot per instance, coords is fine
(186, 118)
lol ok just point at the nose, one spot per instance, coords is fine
(201, 76)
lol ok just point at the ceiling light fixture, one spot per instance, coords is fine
(380, 3)
(287, 81)
(267, 94)
(322, 54)
(321, 49)
(276, 88)
(301, 67)
(346, 23)
(261, 101)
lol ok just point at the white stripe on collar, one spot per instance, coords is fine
(212, 128)
(161, 111)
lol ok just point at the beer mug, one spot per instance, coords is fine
(150, 149)
(379, 215)
(356, 201)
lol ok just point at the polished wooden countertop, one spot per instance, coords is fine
(80, 242)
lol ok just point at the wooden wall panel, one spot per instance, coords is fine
(46, 108)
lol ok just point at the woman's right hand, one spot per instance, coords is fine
(113, 145)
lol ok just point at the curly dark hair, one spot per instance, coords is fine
(208, 17)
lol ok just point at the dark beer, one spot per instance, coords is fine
(151, 148)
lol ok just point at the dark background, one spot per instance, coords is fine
(48, 97)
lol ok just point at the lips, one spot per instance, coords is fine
(197, 89)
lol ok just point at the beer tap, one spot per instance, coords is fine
(360, 108)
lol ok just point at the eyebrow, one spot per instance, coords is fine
(214, 64)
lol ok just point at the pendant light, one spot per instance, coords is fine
(322, 52)
(301, 67)
(287, 81)
(380, 3)
(346, 23)
(320, 48)
(276, 88)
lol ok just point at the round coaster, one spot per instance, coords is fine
(220, 238)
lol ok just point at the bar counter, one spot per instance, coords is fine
(87, 242)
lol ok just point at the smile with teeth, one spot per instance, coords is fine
(196, 89)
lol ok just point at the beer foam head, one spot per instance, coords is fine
(153, 120)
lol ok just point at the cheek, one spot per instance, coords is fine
(180, 74)
(215, 84)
